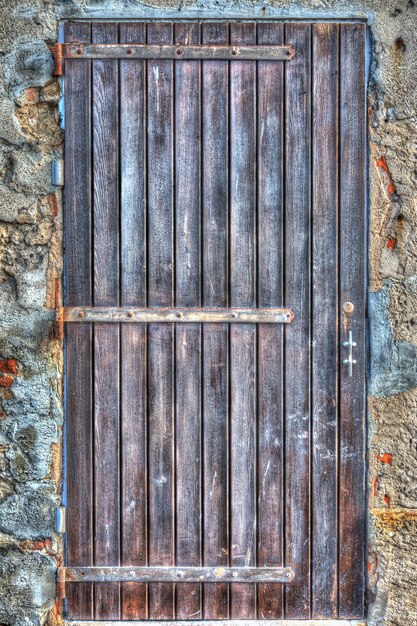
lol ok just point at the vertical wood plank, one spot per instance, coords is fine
(324, 321)
(161, 514)
(352, 533)
(270, 294)
(133, 336)
(188, 339)
(215, 84)
(242, 337)
(297, 338)
(106, 336)
(78, 288)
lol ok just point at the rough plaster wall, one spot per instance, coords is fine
(30, 265)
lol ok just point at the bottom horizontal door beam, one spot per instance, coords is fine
(272, 622)
(156, 574)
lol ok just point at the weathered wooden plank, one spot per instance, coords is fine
(161, 338)
(215, 81)
(177, 314)
(187, 171)
(215, 85)
(78, 200)
(178, 52)
(106, 337)
(324, 320)
(188, 337)
(242, 338)
(78, 289)
(160, 463)
(270, 293)
(297, 341)
(352, 530)
(160, 172)
(133, 173)
(180, 574)
(133, 337)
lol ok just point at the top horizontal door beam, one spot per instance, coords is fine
(178, 52)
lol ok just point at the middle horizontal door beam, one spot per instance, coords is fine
(150, 315)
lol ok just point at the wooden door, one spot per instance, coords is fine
(215, 184)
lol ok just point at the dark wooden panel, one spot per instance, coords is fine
(216, 463)
(133, 173)
(188, 339)
(106, 336)
(270, 293)
(106, 465)
(160, 463)
(161, 338)
(242, 338)
(352, 281)
(79, 474)
(215, 84)
(78, 288)
(78, 201)
(133, 338)
(324, 321)
(160, 172)
(297, 348)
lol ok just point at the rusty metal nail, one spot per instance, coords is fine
(129, 51)
(179, 51)
(233, 51)
(81, 314)
(348, 307)
(79, 51)
(130, 314)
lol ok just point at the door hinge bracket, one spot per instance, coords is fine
(57, 172)
(60, 520)
(60, 583)
(56, 51)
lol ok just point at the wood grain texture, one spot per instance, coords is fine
(106, 336)
(242, 338)
(194, 187)
(161, 338)
(181, 574)
(133, 338)
(352, 531)
(215, 115)
(160, 90)
(297, 342)
(78, 289)
(188, 337)
(270, 85)
(324, 359)
(160, 463)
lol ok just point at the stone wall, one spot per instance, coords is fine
(30, 269)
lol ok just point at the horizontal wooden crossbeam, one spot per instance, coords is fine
(150, 315)
(178, 52)
(255, 622)
(154, 574)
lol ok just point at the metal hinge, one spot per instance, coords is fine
(60, 520)
(56, 51)
(61, 576)
(57, 172)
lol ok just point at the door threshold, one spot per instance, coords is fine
(242, 622)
